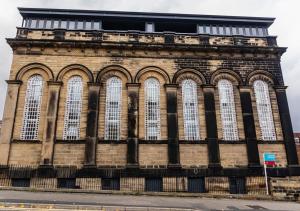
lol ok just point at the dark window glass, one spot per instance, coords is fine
(153, 184)
(20, 182)
(110, 183)
(196, 185)
(66, 183)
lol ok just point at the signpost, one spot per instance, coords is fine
(269, 160)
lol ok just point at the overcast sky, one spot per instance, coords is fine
(286, 26)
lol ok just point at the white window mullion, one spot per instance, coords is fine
(152, 109)
(73, 109)
(113, 109)
(227, 109)
(264, 110)
(32, 108)
(190, 110)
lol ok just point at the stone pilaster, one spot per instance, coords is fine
(49, 134)
(172, 120)
(249, 127)
(211, 126)
(287, 128)
(8, 120)
(133, 117)
(92, 124)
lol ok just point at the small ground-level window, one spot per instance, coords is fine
(110, 183)
(154, 184)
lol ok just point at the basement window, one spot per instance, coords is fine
(20, 182)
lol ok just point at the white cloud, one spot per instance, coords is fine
(286, 27)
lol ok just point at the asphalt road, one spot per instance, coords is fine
(67, 201)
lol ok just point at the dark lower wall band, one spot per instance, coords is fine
(211, 127)
(249, 129)
(287, 128)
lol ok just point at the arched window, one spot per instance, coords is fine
(190, 110)
(113, 108)
(264, 110)
(73, 109)
(227, 109)
(32, 108)
(152, 109)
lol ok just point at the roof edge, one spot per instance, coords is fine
(24, 11)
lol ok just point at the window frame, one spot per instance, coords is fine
(268, 123)
(189, 92)
(31, 120)
(73, 104)
(113, 108)
(154, 108)
(228, 110)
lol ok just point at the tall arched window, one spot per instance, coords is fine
(190, 110)
(73, 109)
(113, 108)
(227, 109)
(264, 110)
(32, 108)
(152, 109)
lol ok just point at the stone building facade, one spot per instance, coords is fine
(146, 96)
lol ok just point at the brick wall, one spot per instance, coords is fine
(69, 154)
(111, 155)
(25, 154)
(233, 155)
(195, 155)
(153, 154)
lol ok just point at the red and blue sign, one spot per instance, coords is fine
(270, 159)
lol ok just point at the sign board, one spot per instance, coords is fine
(269, 159)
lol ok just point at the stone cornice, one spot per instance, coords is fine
(14, 43)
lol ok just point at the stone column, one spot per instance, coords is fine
(133, 125)
(172, 121)
(249, 127)
(286, 124)
(92, 124)
(8, 120)
(49, 134)
(211, 126)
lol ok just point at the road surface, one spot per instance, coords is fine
(84, 201)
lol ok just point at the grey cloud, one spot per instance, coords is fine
(285, 26)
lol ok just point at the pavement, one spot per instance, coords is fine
(25, 200)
